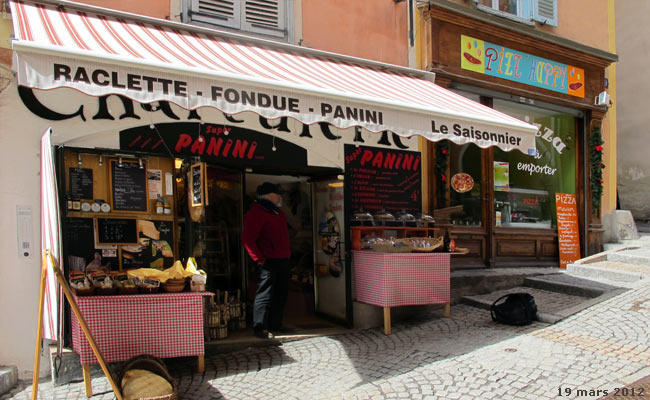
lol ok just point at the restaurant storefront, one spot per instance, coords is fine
(169, 129)
(508, 217)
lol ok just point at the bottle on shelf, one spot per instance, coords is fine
(159, 206)
(446, 241)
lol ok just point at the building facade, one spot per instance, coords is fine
(633, 165)
(545, 62)
(86, 131)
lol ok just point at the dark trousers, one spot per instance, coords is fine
(271, 295)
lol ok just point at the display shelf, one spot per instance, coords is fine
(357, 232)
(90, 214)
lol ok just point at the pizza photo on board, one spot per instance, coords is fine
(462, 182)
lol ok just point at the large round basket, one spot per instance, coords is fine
(154, 365)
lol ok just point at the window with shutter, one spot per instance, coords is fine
(545, 11)
(266, 17)
(216, 12)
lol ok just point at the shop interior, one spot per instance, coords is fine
(213, 238)
(174, 226)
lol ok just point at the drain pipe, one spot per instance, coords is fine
(585, 227)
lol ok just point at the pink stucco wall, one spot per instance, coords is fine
(372, 29)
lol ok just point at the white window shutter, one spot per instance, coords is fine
(545, 11)
(216, 12)
(265, 16)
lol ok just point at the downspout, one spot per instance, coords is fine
(585, 224)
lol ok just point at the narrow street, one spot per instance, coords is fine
(588, 355)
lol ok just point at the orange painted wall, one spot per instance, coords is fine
(583, 21)
(150, 8)
(372, 29)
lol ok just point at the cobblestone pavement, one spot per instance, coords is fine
(585, 356)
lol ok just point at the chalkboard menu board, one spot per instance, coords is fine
(129, 187)
(79, 244)
(78, 238)
(81, 183)
(383, 179)
(117, 230)
(196, 175)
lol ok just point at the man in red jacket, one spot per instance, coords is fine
(266, 239)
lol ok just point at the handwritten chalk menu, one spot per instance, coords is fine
(81, 183)
(116, 230)
(78, 238)
(196, 175)
(383, 179)
(129, 186)
(567, 228)
(79, 244)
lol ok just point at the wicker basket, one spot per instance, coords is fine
(390, 248)
(218, 332)
(125, 290)
(154, 365)
(173, 287)
(102, 291)
(434, 244)
(83, 292)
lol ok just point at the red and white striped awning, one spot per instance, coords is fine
(101, 52)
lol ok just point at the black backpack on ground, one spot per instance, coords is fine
(517, 309)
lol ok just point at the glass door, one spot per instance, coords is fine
(329, 249)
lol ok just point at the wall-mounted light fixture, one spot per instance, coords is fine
(101, 160)
(79, 159)
(119, 162)
(140, 162)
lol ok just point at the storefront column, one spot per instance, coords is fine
(596, 230)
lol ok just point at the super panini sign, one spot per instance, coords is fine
(494, 60)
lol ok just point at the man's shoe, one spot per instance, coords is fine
(263, 334)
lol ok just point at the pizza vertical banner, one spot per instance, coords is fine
(568, 235)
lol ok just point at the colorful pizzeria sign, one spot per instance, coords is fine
(494, 60)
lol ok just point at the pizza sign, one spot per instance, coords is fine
(462, 182)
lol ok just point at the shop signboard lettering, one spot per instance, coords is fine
(502, 62)
(567, 228)
(153, 91)
(383, 179)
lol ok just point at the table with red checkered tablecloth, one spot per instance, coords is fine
(163, 325)
(401, 279)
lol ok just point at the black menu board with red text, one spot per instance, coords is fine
(383, 179)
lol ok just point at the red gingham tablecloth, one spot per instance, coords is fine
(163, 325)
(401, 279)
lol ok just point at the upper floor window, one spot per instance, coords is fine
(265, 17)
(544, 11)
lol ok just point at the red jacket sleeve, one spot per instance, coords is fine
(250, 234)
